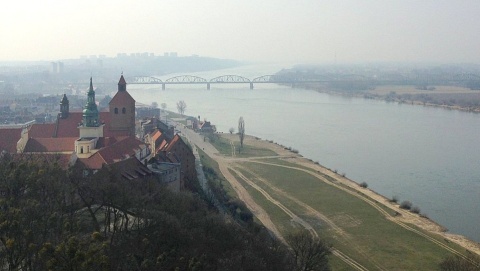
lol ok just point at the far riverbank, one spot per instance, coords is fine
(446, 97)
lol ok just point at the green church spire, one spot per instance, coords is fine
(90, 111)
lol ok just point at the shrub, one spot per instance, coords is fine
(394, 199)
(424, 216)
(363, 185)
(415, 210)
(406, 205)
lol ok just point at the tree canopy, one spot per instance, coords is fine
(53, 219)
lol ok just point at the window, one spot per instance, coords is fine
(116, 110)
(81, 149)
(124, 110)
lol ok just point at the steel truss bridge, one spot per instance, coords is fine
(466, 80)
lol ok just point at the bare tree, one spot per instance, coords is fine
(231, 130)
(164, 106)
(310, 253)
(154, 104)
(181, 106)
(241, 130)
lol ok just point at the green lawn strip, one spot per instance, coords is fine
(389, 244)
(223, 146)
(283, 162)
(174, 115)
(329, 178)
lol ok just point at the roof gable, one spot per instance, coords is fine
(39, 130)
(65, 144)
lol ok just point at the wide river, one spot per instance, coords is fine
(429, 156)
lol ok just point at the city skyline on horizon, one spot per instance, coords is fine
(308, 31)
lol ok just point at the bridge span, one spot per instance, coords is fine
(466, 80)
(223, 79)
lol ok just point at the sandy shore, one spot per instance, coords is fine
(405, 216)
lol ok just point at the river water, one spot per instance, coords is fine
(429, 156)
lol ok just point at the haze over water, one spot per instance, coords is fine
(426, 155)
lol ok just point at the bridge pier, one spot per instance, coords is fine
(251, 85)
(163, 86)
(208, 86)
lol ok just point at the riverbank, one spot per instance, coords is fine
(404, 216)
(446, 97)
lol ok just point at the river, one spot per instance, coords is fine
(429, 156)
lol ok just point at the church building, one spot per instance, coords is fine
(91, 139)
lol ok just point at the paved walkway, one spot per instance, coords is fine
(194, 139)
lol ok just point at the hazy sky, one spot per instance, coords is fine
(301, 31)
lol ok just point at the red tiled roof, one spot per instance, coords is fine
(69, 127)
(156, 135)
(107, 141)
(38, 130)
(95, 161)
(9, 138)
(121, 149)
(172, 143)
(118, 151)
(159, 139)
(161, 146)
(65, 144)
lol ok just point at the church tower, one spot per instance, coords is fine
(64, 107)
(122, 110)
(91, 129)
(90, 111)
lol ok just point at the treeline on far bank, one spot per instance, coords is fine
(53, 219)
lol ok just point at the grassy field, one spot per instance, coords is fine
(295, 196)
(224, 147)
(371, 239)
(290, 193)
